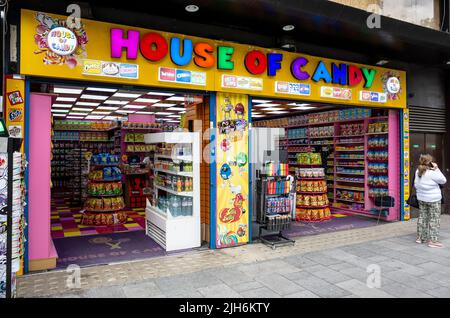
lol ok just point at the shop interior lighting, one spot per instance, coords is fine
(192, 8)
(94, 97)
(272, 109)
(163, 105)
(145, 113)
(62, 105)
(257, 116)
(111, 118)
(126, 95)
(94, 117)
(298, 105)
(123, 111)
(100, 113)
(174, 116)
(107, 108)
(266, 105)
(62, 90)
(77, 114)
(74, 117)
(160, 94)
(278, 112)
(288, 27)
(147, 100)
(115, 102)
(83, 109)
(66, 99)
(134, 106)
(59, 115)
(174, 108)
(163, 113)
(260, 101)
(100, 89)
(304, 107)
(176, 98)
(86, 104)
(59, 110)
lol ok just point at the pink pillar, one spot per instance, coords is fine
(41, 248)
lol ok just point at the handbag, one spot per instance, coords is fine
(412, 200)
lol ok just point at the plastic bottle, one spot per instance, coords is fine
(184, 206)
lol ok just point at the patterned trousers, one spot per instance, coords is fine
(429, 221)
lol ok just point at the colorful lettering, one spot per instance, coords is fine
(255, 62)
(204, 57)
(153, 47)
(369, 76)
(321, 73)
(118, 43)
(224, 54)
(175, 49)
(354, 75)
(339, 74)
(296, 68)
(274, 63)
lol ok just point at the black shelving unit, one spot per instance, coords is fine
(271, 224)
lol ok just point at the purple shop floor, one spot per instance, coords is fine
(333, 225)
(105, 249)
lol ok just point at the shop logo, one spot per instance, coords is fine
(110, 69)
(15, 98)
(166, 74)
(129, 70)
(374, 97)
(229, 81)
(393, 85)
(282, 87)
(62, 41)
(183, 76)
(299, 89)
(198, 78)
(92, 67)
(15, 115)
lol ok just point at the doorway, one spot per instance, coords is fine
(433, 144)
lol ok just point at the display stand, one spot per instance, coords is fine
(105, 216)
(12, 219)
(274, 208)
(173, 218)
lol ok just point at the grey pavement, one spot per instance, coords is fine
(406, 269)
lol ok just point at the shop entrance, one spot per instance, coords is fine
(345, 162)
(433, 144)
(109, 158)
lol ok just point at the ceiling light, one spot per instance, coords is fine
(94, 117)
(174, 116)
(99, 89)
(303, 108)
(65, 99)
(160, 94)
(295, 104)
(107, 108)
(82, 109)
(135, 106)
(112, 117)
(116, 102)
(59, 110)
(94, 97)
(77, 114)
(288, 46)
(175, 108)
(126, 95)
(288, 27)
(192, 8)
(101, 113)
(86, 104)
(147, 100)
(176, 98)
(260, 101)
(266, 105)
(278, 112)
(166, 119)
(255, 113)
(163, 113)
(62, 90)
(382, 62)
(145, 113)
(59, 115)
(183, 112)
(163, 105)
(125, 111)
(271, 108)
(257, 116)
(62, 105)
(75, 117)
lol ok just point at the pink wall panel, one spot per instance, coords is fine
(39, 134)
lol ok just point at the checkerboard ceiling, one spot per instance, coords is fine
(268, 108)
(96, 103)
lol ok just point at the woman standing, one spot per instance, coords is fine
(427, 182)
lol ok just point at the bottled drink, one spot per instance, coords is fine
(190, 206)
(184, 206)
(179, 185)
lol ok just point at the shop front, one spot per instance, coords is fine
(134, 130)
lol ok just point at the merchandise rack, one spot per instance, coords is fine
(273, 236)
(170, 229)
(343, 143)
